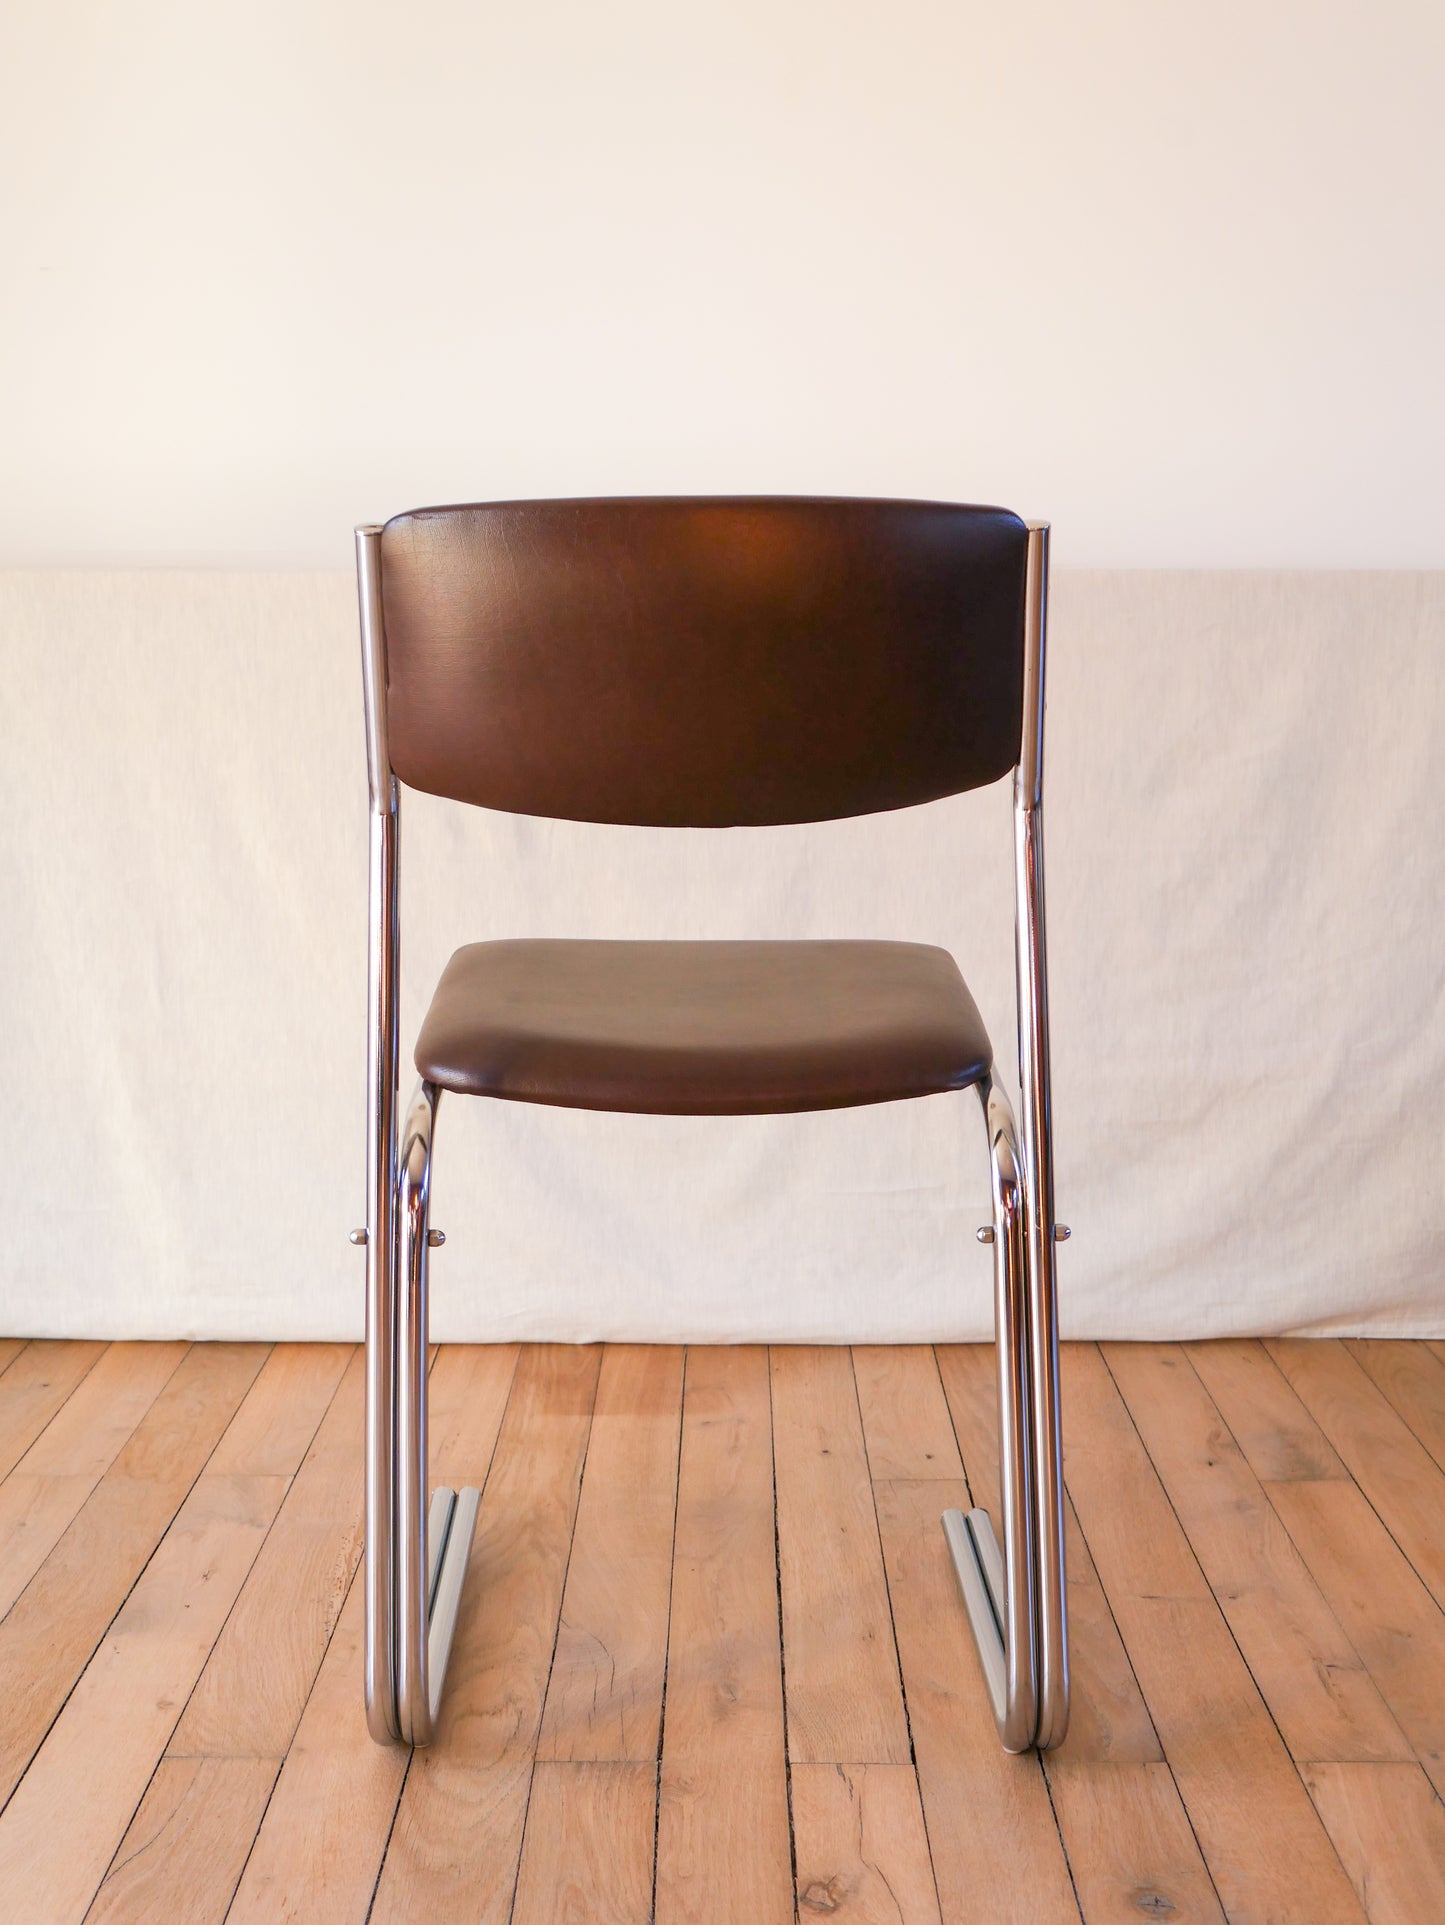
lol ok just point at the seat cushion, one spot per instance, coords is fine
(702, 1028)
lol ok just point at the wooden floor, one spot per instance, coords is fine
(712, 1665)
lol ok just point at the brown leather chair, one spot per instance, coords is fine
(704, 662)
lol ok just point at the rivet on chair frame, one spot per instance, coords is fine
(358, 1237)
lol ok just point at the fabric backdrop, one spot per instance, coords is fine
(1246, 870)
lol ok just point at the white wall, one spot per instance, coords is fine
(1169, 274)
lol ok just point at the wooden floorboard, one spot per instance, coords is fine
(328, 1821)
(604, 1698)
(861, 1845)
(35, 1385)
(1378, 1448)
(1389, 1827)
(1104, 1785)
(329, 1815)
(844, 1694)
(1131, 1849)
(55, 1846)
(455, 1846)
(722, 1836)
(1266, 1850)
(62, 1467)
(1412, 1378)
(1312, 1679)
(712, 1664)
(225, 1753)
(59, 1619)
(1388, 1615)
(1006, 1860)
(183, 1852)
(587, 1853)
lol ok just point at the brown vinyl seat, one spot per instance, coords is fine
(702, 1028)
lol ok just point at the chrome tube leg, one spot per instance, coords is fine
(1034, 1080)
(1048, 1459)
(1029, 1416)
(381, 1321)
(998, 1584)
(433, 1542)
(1011, 1344)
(412, 1577)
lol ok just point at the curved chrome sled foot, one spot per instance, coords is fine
(979, 1564)
(416, 1552)
(450, 1526)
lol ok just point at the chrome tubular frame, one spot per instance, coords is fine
(412, 1598)
(416, 1556)
(1025, 1656)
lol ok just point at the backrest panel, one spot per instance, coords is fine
(703, 661)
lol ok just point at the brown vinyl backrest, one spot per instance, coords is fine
(705, 660)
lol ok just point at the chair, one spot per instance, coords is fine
(705, 662)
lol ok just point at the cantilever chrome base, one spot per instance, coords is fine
(1014, 1590)
(416, 1551)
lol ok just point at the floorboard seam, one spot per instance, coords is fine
(390, 1831)
(953, 1426)
(1163, 1754)
(667, 1640)
(883, 1563)
(557, 1627)
(782, 1648)
(1059, 1834)
(893, 1623)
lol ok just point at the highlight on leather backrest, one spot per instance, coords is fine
(703, 661)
